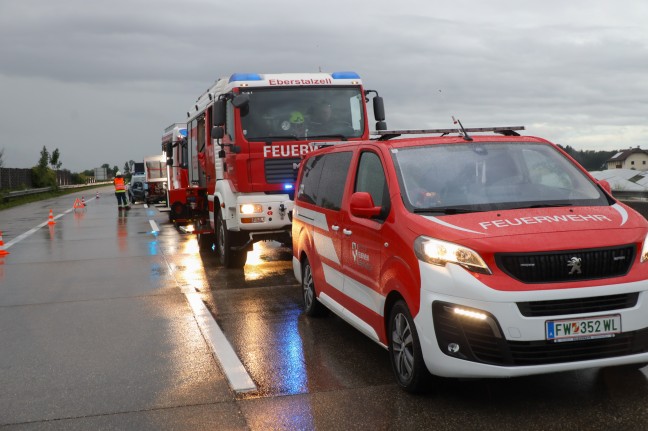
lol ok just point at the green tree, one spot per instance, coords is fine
(42, 175)
(54, 159)
(44, 158)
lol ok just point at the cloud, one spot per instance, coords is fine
(100, 81)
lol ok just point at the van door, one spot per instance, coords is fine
(320, 200)
(362, 244)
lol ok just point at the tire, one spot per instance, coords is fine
(132, 199)
(405, 350)
(312, 306)
(224, 241)
(205, 241)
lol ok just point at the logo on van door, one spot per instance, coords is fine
(360, 258)
(575, 264)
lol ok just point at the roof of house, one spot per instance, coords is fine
(624, 154)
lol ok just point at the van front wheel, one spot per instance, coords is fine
(405, 350)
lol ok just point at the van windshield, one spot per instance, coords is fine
(459, 178)
(303, 113)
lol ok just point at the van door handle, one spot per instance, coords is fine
(335, 227)
(347, 232)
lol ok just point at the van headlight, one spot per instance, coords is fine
(644, 250)
(440, 253)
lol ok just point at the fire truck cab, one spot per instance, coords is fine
(246, 135)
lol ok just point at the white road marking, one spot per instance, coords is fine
(238, 377)
(154, 226)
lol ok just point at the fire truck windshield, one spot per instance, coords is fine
(303, 113)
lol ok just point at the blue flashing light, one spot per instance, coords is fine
(245, 77)
(288, 186)
(345, 75)
(183, 132)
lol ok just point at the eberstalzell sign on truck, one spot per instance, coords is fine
(156, 178)
(246, 135)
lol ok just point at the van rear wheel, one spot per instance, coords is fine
(405, 350)
(312, 307)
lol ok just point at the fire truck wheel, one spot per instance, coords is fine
(224, 241)
(312, 306)
(405, 350)
(205, 241)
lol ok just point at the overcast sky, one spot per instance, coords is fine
(100, 80)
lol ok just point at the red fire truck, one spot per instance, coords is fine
(187, 202)
(246, 135)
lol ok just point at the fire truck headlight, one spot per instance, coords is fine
(251, 208)
(644, 250)
(441, 253)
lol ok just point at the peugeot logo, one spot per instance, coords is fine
(575, 264)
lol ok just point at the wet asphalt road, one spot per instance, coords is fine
(96, 332)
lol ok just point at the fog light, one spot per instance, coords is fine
(453, 347)
(469, 313)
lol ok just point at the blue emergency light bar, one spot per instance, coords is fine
(256, 77)
(345, 75)
(245, 77)
(288, 186)
(183, 132)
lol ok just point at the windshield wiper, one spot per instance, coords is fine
(543, 206)
(448, 211)
(342, 137)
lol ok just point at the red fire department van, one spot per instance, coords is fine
(472, 255)
(246, 135)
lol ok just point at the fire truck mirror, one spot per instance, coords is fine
(379, 109)
(241, 101)
(381, 125)
(218, 114)
(168, 149)
(169, 161)
(217, 132)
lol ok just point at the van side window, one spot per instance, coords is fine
(323, 180)
(371, 178)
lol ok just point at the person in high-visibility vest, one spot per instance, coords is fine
(120, 191)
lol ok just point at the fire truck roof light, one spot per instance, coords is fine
(245, 77)
(345, 75)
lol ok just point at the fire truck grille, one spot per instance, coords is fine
(578, 305)
(570, 265)
(278, 171)
(481, 341)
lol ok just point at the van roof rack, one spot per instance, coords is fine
(384, 135)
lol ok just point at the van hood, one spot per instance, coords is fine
(517, 222)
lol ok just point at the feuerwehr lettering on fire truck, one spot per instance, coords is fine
(290, 150)
(518, 221)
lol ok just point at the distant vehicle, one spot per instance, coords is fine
(472, 256)
(187, 202)
(137, 188)
(156, 178)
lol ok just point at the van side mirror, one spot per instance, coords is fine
(362, 205)
(606, 186)
(169, 161)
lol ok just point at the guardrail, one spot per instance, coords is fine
(17, 193)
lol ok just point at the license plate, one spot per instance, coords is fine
(583, 329)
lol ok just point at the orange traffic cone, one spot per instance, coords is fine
(2, 250)
(97, 195)
(51, 218)
(83, 201)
